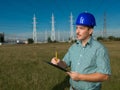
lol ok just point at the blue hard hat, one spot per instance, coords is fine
(86, 19)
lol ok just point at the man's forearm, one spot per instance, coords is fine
(95, 77)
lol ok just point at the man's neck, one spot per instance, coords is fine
(84, 41)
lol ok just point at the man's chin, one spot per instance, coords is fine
(79, 39)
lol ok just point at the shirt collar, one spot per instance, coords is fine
(89, 42)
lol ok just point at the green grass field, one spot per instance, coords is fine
(22, 67)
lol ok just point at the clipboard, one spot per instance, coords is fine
(63, 69)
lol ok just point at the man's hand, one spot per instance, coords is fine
(74, 75)
(55, 61)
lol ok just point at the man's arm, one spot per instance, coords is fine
(95, 77)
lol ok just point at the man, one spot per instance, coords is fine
(88, 59)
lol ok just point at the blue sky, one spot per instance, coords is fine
(16, 15)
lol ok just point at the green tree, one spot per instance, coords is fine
(30, 41)
(111, 38)
(49, 40)
(100, 38)
(1, 37)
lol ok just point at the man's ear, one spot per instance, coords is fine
(90, 31)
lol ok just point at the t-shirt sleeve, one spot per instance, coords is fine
(103, 61)
(66, 58)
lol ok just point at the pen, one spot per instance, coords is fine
(56, 55)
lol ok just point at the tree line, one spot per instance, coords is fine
(110, 38)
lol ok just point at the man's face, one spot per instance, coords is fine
(83, 32)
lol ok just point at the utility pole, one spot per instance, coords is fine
(104, 27)
(46, 36)
(58, 36)
(53, 29)
(71, 28)
(34, 30)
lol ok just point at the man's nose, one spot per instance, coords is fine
(77, 31)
